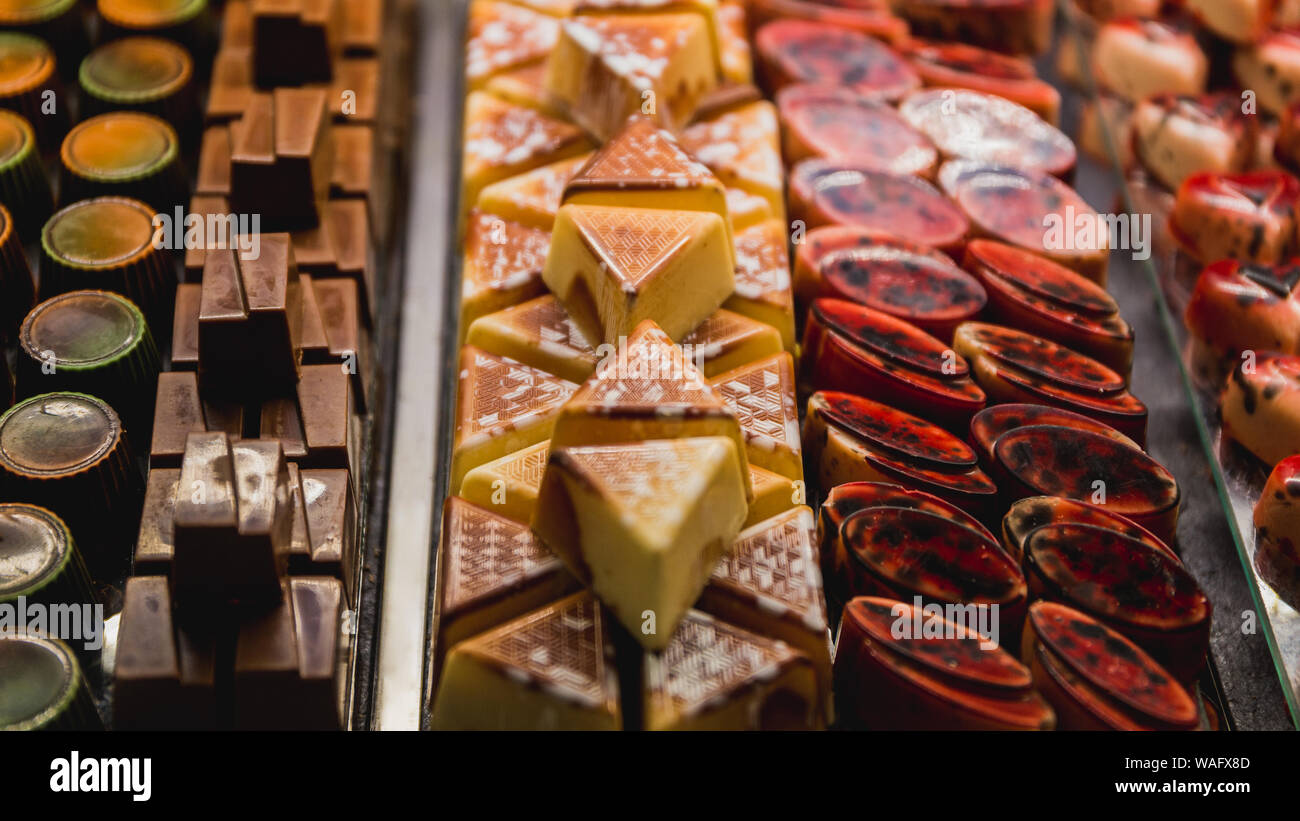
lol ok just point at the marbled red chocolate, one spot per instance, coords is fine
(984, 127)
(828, 193)
(876, 443)
(945, 679)
(987, 426)
(904, 553)
(932, 295)
(959, 65)
(1238, 306)
(853, 348)
(1048, 460)
(1033, 512)
(1277, 523)
(1096, 679)
(1011, 26)
(1250, 216)
(1011, 366)
(1031, 210)
(1036, 295)
(817, 243)
(868, 16)
(801, 51)
(1133, 588)
(843, 125)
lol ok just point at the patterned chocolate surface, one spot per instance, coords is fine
(497, 394)
(1114, 577)
(642, 155)
(890, 338)
(992, 422)
(905, 206)
(919, 553)
(740, 144)
(845, 500)
(487, 555)
(501, 255)
(909, 286)
(1112, 663)
(1274, 376)
(763, 264)
(638, 48)
(1043, 360)
(1058, 461)
(773, 564)
(840, 124)
(635, 243)
(646, 479)
(503, 35)
(1039, 282)
(1249, 215)
(808, 52)
(562, 648)
(762, 396)
(900, 435)
(500, 134)
(1033, 512)
(651, 375)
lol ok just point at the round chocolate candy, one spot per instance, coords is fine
(905, 553)
(123, 153)
(1032, 210)
(39, 560)
(844, 500)
(867, 17)
(959, 65)
(24, 188)
(30, 85)
(830, 193)
(147, 74)
(932, 295)
(1277, 530)
(1012, 366)
(1049, 460)
(94, 342)
(1136, 589)
(1240, 306)
(58, 22)
(840, 124)
(107, 244)
(1249, 216)
(1033, 512)
(819, 242)
(990, 423)
(799, 51)
(1036, 295)
(901, 668)
(66, 452)
(1096, 679)
(17, 291)
(852, 439)
(976, 126)
(188, 22)
(42, 686)
(853, 348)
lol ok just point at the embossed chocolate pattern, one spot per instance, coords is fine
(961, 659)
(1111, 662)
(1029, 514)
(900, 434)
(1057, 461)
(902, 284)
(912, 551)
(1114, 577)
(1046, 360)
(889, 337)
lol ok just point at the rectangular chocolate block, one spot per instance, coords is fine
(363, 26)
(282, 158)
(185, 326)
(232, 84)
(294, 40)
(178, 412)
(349, 223)
(155, 545)
(314, 343)
(353, 160)
(326, 404)
(331, 525)
(218, 232)
(313, 248)
(237, 25)
(354, 94)
(338, 303)
(213, 177)
(280, 420)
(160, 682)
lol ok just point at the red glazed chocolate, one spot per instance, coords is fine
(1096, 679)
(799, 51)
(1286, 148)
(1011, 26)
(853, 348)
(1133, 588)
(1033, 512)
(888, 678)
(1250, 216)
(842, 501)
(868, 16)
(904, 553)
(1277, 530)
(851, 439)
(1031, 210)
(990, 424)
(843, 125)
(1048, 460)
(958, 65)
(932, 295)
(1012, 366)
(1177, 135)
(977, 126)
(819, 242)
(1243, 306)
(1038, 296)
(827, 193)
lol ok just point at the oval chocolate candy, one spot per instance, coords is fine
(801, 51)
(843, 125)
(992, 422)
(852, 439)
(1013, 366)
(1033, 512)
(1049, 460)
(932, 674)
(820, 242)
(1277, 530)
(932, 295)
(830, 193)
(853, 348)
(1032, 210)
(1260, 406)
(1134, 588)
(1032, 293)
(1096, 679)
(960, 65)
(977, 126)
(1248, 216)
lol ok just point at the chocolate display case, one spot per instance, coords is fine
(1236, 689)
